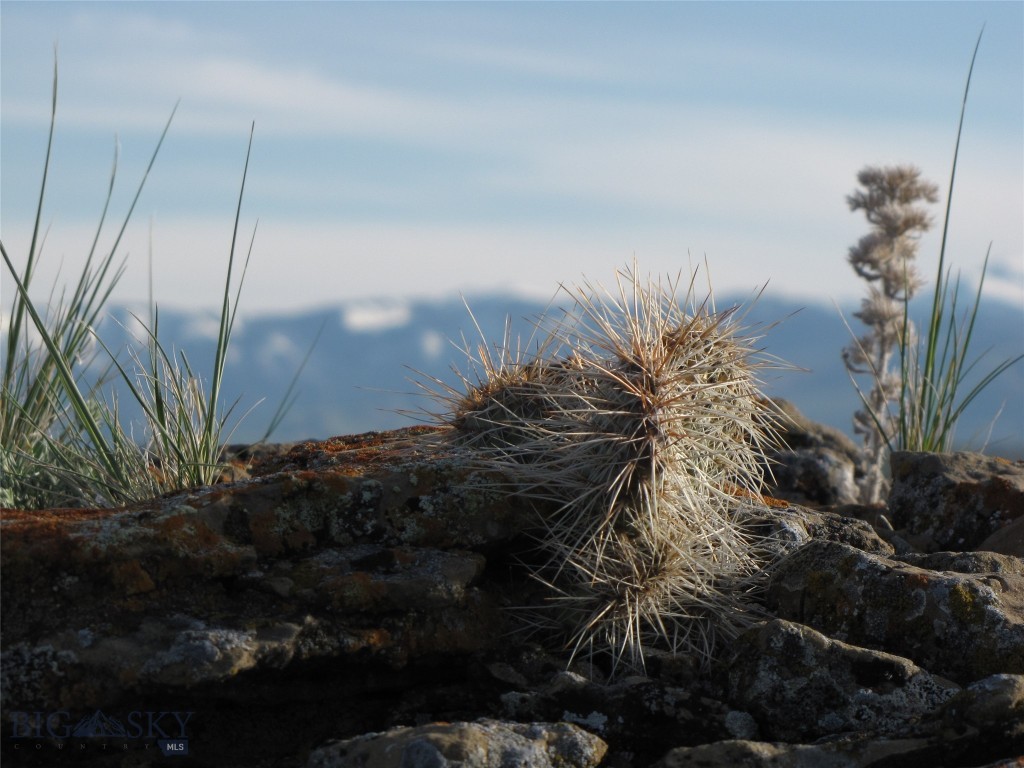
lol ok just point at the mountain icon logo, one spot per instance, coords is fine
(98, 725)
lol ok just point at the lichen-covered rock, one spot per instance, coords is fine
(953, 501)
(961, 625)
(823, 525)
(390, 603)
(361, 585)
(367, 557)
(481, 744)
(801, 685)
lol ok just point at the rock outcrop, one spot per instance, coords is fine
(354, 602)
(481, 744)
(954, 501)
(963, 624)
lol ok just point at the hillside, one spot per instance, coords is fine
(361, 373)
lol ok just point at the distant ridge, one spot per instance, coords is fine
(358, 377)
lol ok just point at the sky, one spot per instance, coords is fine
(430, 149)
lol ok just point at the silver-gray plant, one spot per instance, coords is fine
(891, 199)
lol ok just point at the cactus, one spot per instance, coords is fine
(640, 425)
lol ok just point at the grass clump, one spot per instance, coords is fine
(62, 442)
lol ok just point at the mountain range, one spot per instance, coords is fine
(362, 371)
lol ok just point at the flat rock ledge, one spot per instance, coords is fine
(352, 602)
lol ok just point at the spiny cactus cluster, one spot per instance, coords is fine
(638, 421)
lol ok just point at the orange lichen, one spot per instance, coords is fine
(131, 577)
(768, 501)
(351, 454)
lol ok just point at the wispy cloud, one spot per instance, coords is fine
(435, 156)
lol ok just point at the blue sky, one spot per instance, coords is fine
(430, 148)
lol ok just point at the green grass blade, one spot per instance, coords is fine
(18, 312)
(227, 313)
(938, 298)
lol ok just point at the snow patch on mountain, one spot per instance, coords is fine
(363, 317)
(432, 344)
(279, 348)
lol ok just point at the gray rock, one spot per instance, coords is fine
(965, 562)
(815, 464)
(817, 476)
(639, 715)
(796, 432)
(801, 685)
(480, 744)
(1008, 540)
(953, 501)
(846, 752)
(991, 704)
(963, 626)
(982, 726)
(824, 525)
